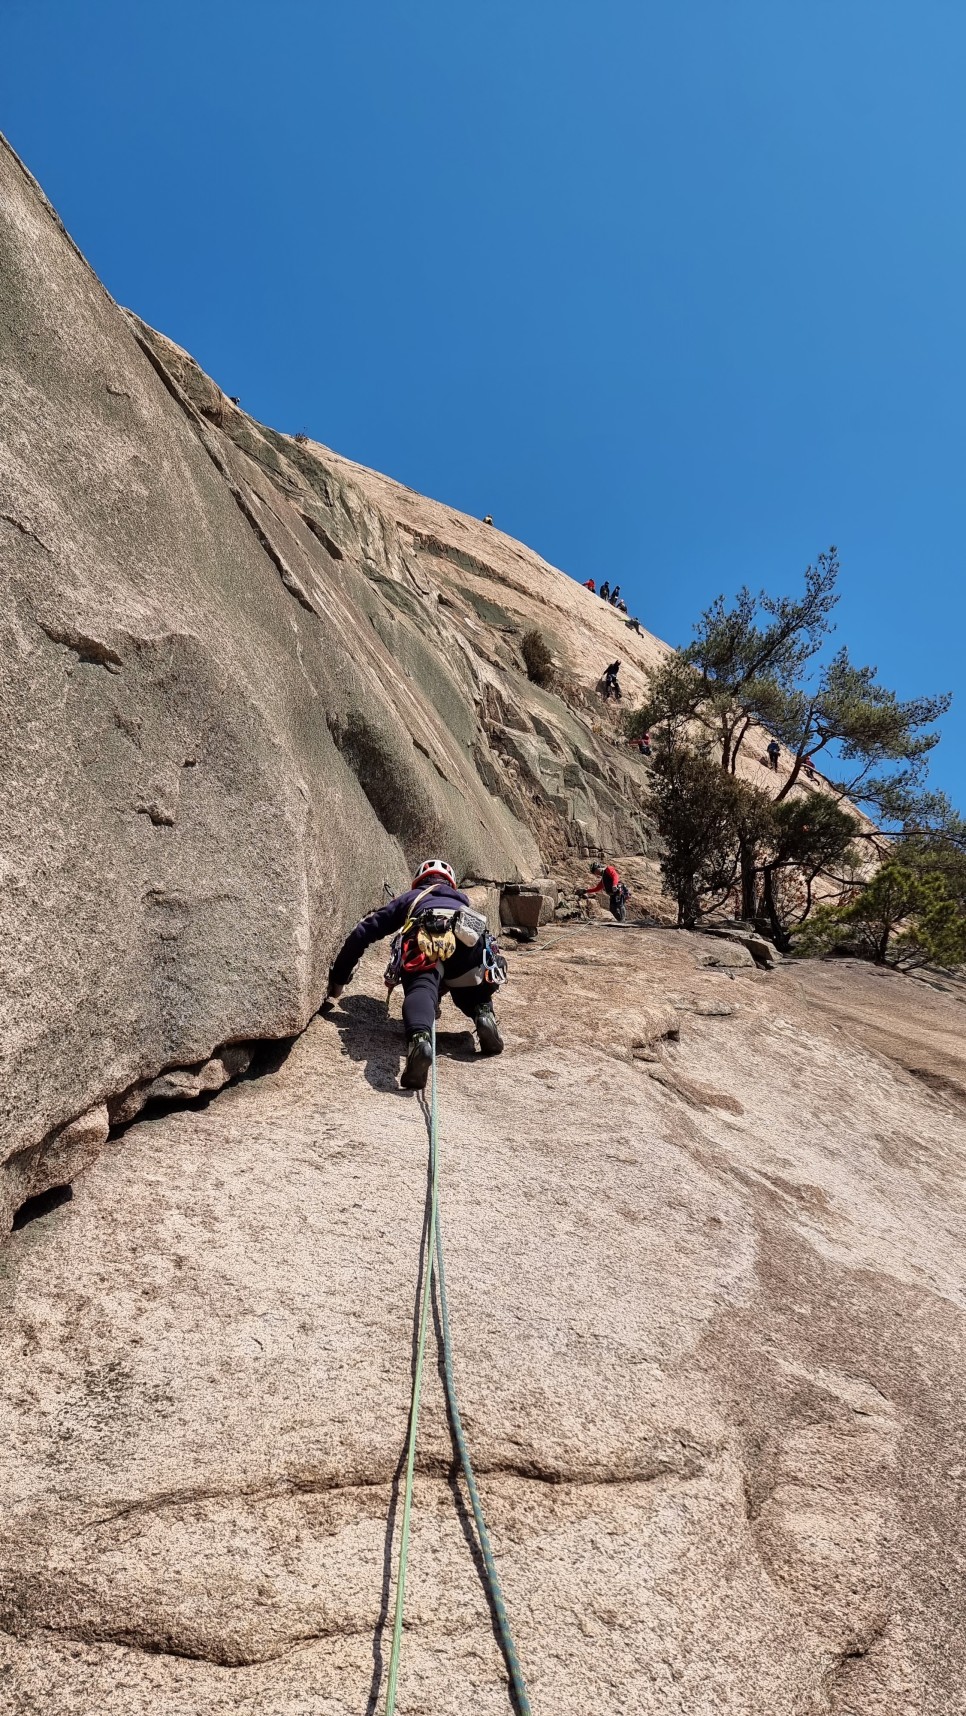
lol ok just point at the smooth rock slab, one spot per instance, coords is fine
(707, 1335)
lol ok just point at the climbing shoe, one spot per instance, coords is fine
(488, 1031)
(419, 1057)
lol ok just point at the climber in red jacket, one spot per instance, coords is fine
(611, 885)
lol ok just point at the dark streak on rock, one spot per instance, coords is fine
(285, 572)
(331, 547)
(857, 1652)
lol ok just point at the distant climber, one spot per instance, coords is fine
(611, 684)
(610, 884)
(605, 592)
(233, 399)
(614, 596)
(774, 752)
(621, 606)
(488, 519)
(591, 586)
(808, 769)
(635, 626)
(441, 947)
(642, 744)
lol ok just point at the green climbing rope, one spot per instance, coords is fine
(428, 1253)
(493, 1578)
(432, 1260)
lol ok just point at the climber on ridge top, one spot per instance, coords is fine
(441, 946)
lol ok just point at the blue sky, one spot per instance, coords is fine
(675, 291)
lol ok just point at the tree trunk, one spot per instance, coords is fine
(746, 858)
(736, 746)
(779, 933)
(688, 908)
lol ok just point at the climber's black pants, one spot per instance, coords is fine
(423, 990)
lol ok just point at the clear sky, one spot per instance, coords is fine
(675, 289)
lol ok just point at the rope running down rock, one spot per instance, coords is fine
(432, 1265)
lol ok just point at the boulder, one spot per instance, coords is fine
(524, 908)
(726, 954)
(550, 892)
(764, 953)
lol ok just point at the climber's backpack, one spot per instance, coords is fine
(469, 927)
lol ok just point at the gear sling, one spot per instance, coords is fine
(430, 939)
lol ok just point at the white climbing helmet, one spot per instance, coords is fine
(435, 867)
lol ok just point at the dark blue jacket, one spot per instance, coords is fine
(386, 920)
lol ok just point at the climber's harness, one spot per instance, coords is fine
(429, 938)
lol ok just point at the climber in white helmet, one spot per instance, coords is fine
(441, 947)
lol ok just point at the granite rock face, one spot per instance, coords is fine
(246, 684)
(705, 1222)
(705, 1261)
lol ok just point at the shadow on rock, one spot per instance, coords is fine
(370, 1035)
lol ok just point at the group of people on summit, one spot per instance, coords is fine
(613, 597)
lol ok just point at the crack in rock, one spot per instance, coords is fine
(25, 530)
(686, 1470)
(125, 1638)
(85, 648)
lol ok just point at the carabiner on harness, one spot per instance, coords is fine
(494, 963)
